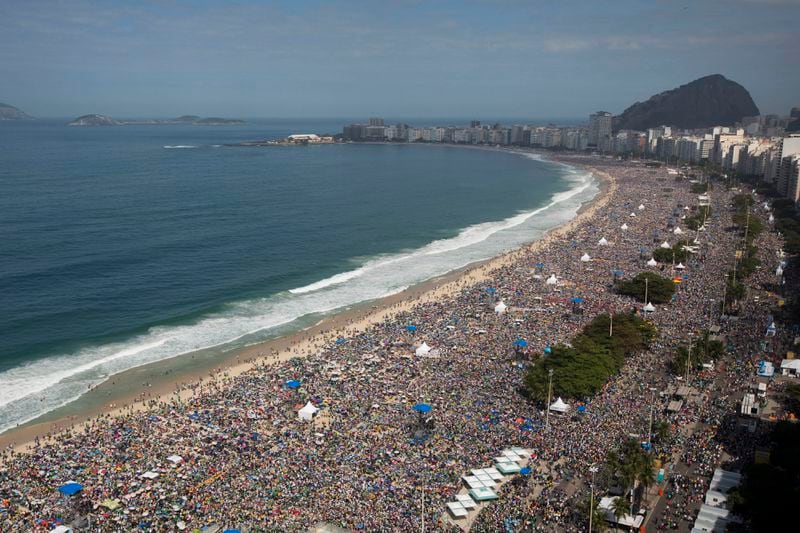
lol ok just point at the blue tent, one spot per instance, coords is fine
(293, 384)
(70, 489)
(581, 409)
(411, 327)
(577, 300)
(525, 471)
(522, 343)
(422, 408)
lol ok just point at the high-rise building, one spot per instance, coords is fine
(599, 127)
(376, 122)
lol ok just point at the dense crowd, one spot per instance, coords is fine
(368, 460)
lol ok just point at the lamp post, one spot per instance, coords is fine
(593, 470)
(549, 394)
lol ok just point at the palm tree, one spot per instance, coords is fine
(598, 516)
(621, 507)
(646, 475)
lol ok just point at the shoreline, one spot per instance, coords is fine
(177, 375)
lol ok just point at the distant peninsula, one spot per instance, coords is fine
(103, 120)
(9, 112)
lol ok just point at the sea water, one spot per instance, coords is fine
(122, 246)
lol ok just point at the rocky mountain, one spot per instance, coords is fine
(710, 101)
(9, 112)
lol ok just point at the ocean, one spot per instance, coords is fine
(127, 245)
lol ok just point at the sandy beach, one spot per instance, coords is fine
(131, 390)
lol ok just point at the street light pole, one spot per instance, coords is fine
(593, 470)
(549, 394)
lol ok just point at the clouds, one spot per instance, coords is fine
(148, 57)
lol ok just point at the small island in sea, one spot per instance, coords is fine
(103, 120)
(9, 112)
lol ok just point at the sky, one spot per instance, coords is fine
(412, 58)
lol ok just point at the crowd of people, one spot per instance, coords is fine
(232, 451)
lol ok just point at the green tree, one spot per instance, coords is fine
(621, 508)
(659, 290)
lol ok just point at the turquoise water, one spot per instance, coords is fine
(119, 249)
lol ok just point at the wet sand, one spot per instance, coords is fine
(132, 389)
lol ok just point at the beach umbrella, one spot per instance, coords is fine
(522, 343)
(70, 488)
(581, 409)
(641, 206)
(500, 308)
(623, 227)
(525, 471)
(293, 384)
(422, 408)
(577, 300)
(586, 258)
(423, 349)
(552, 280)
(540, 265)
(411, 327)
(547, 349)
(602, 242)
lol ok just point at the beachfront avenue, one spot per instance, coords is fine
(245, 451)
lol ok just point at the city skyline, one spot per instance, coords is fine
(405, 59)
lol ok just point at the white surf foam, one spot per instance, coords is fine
(41, 386)
(178, 146)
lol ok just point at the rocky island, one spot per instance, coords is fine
(103, 120)
(9, 112)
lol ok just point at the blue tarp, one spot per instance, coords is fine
(581, 409)
(525, 471)
(293, 384)
(522, 343)
(231, 531)
(547, 349)
(340, 340)
(70, 489)
(577, 300)
(422, 408)
(411, 327)
(490, 290)
(540, 265)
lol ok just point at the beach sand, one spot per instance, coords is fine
(134, 388)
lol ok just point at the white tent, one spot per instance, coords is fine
(307, 412)
(175, 459)
(790, 367)
(652, 262)
(641, 206)
(649, 308)
(423, 349)
(61, 529)
(552, 280)
(677, 231)
(602, 242)
(586, 258)
(559, 406)
(150, 475)
(632, 215)
(500, 308)
(680, 266)
(665, 245)
(623, 227)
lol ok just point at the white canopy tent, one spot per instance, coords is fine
(559, 406)
(649, 308)
(665, 245)
(641, 206)
(586, 258)
(500, 308)
(623, 227)
(677, 231)
(602, 242)
(552, 280)
(632, 215)
(423, 349)
(652, 262)
(680, 266)
(307, 412)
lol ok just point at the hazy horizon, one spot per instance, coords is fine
(401, 58)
